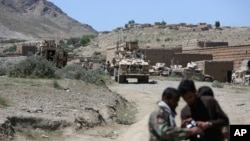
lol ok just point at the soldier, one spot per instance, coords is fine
(205, 110)
(162, 124)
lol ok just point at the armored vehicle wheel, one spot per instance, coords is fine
(121, 79)
(116, 78)
(246, 82)
(143, 79)
(146, 78)
(208, 79)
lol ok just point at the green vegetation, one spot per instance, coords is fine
(56, 85)
(4, 102)
(77, 72)
(38, 67)
(33, 67)
(77, 42)
(11, 41)
(84, 40)
(217, 84)
(131, 22)
(11, 49)
(163, 22)
(126, 114)
(217, 24)
(38, 135)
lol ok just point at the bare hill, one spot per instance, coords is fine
(38, 19)
(155, 37)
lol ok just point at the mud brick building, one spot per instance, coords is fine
(220, 70)
(26, 50)
(226, 53)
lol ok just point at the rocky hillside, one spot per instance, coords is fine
(38, 19)
(154, 37)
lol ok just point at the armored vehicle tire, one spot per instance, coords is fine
(121, 79)
(143, 79)
(207, 79)
(246, 82)
(116, 78)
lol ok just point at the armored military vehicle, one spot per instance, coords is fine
(191, 71)
(129, 63)
(242, 76)
(53, 52)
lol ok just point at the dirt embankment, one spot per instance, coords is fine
(36, 109)
(82, 102)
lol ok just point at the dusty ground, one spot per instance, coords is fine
(233, 99)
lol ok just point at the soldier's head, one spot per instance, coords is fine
(187, 91)
(205, 91)
(171, 97)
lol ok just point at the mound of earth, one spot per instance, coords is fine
(44, 105)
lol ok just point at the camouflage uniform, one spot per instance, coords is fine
(161, 128)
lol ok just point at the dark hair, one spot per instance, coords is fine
(185, 86)
(169, 93)
(205, 91)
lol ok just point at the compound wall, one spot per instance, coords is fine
(229, 53)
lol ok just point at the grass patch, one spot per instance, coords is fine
(126, 115)
(38, 135)
(217, 84)
(56, 85)
(4, 102)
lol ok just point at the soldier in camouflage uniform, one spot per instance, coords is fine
(162, 126)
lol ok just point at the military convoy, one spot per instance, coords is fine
(129, 62)
(53, 52)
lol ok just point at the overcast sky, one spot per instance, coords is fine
(106, 15)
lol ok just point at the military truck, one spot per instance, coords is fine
(129, 62)
(53, 52)
(242, 76)
(191, 71)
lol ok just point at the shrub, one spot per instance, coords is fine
(12, 41)
(86, 39)
(217, 24)
(56, 85)
(217, 84)
(3, 70)
(78, 72)
(126, 114)
(4, 102)
(33, 67)
(10, 49)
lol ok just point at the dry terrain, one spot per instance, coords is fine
(47, 105)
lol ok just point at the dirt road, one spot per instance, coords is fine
(235, 100)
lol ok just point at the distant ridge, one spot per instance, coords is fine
(38, 19)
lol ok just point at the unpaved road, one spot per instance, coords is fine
(235, 101)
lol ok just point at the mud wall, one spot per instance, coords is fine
(215, 69)
(26, 50)
(229, 53)
(161, 55)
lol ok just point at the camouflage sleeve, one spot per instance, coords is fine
(160, 127)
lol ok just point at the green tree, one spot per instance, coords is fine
(163, 22)
(131, 22)
(86, 39)
(217, 24)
